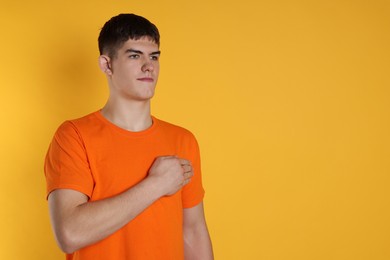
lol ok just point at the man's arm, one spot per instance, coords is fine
(78, 223)
(197, 243)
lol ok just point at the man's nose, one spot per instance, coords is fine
(148, 66)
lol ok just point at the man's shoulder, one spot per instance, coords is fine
(174, 128)
(78, 124)
(86, 119)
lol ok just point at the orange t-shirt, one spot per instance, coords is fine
(101, 160)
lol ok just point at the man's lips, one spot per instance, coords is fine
(146, 79)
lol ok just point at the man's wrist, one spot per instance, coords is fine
(152, 187)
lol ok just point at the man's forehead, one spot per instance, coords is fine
(146, 43)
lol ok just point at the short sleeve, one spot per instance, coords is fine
(66, 163)
(193, 192)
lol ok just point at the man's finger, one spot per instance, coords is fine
(184, 161)
(186, 181)
(188, 175)
(186, 168)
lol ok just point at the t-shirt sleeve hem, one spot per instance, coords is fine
(193, 202)
(70, 187)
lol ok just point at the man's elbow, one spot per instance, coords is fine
(67, 241)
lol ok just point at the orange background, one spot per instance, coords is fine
(289, 101)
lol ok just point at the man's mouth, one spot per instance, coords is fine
(146, 79)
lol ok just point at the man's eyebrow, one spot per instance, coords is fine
(140, 52)
(133, 50)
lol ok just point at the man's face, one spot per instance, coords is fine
(135, 70)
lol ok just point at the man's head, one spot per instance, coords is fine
(123, 27)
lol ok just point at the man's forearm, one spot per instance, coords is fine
(90, 222)
(197, 245)
(197, 242)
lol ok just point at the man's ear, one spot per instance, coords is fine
(105, 64)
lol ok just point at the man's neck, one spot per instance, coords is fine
(131, 116)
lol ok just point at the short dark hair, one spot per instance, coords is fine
(123, 27)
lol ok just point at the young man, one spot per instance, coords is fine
(121, 183)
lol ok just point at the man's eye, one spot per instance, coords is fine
(134, 56)
(154, 57)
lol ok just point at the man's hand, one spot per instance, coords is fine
(171, 173)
